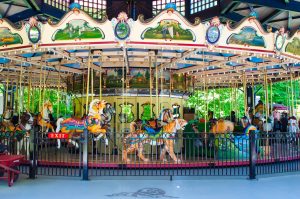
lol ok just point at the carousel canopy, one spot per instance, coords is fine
(211, 53)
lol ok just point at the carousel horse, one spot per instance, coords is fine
(229, 145)
(154, 126)
(7, 116)
(166, 115)
(92, 122)
(139, 136)
(25, 125)
(44, 117)
(21, 132)
(108, 113)
(242, 141)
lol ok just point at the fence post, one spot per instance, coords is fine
(33, 153)
(85, 174)
(252, 155)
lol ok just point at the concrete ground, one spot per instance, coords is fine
(284, 186)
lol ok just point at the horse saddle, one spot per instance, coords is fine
(153, 131)
(73, 123)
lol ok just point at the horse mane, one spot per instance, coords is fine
(132, 127)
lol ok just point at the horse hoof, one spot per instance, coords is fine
(178, 161)
(146, 160)
(164, 160)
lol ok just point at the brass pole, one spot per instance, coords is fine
(6, 93)
(40, 90)
(92, 83)
(292, 93)
(58, 95)
(245, 92)
(271, 94)
(267, 96)
(20, 92)
(100, 83)
(156, 87)
(150, 81)
(29, 92)
(253, 100)
(205, 113)
(82, 98)
(88, 82)
(123, 87)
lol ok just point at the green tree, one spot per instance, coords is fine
(220, 101)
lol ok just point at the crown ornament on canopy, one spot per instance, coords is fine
(122, 16)
(75, 7)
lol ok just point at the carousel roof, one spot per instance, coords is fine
(211, 53)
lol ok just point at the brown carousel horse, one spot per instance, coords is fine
(139, 136)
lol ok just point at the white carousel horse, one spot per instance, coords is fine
(43, 117)
(26, 122)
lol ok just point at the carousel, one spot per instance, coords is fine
(124, 86)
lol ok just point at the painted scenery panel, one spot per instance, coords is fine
(294, 46)
(76, 30)
(178, 82)
(168, 30)
(164, 80)
(247, 37)
(8, 38)
(140, 78)
(113, 78)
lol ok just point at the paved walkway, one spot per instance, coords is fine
(279, 187)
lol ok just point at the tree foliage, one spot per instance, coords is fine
(61, 100)
(220, 101)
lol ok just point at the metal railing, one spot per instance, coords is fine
(193, 154)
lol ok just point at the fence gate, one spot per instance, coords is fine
(52, 156)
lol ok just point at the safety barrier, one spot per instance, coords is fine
(194, 154)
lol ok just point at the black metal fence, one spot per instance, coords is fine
(187, 154)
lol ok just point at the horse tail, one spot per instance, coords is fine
(58, 124)
(248, 129)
